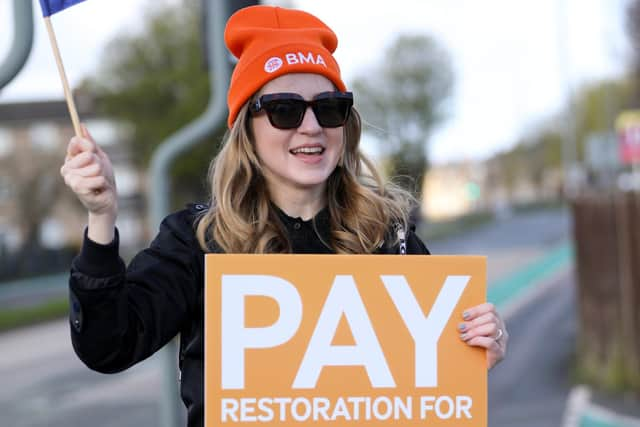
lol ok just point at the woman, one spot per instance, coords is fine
(289, 179)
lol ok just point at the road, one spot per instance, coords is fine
(509, 243)
(45, 384)
(530, 387)
(33, 291)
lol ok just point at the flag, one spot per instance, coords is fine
(49, 7)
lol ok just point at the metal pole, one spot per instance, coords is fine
(159, 185)
(22, 41)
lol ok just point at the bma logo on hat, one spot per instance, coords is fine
(273, 64)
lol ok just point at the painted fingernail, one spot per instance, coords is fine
(463, 336)
(466, 315)
(462, 326)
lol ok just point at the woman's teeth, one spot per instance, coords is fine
(307, 150)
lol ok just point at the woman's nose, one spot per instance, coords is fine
(309, 122)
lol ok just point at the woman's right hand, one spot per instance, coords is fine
(88, 172)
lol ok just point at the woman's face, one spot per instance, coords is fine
(300, 158)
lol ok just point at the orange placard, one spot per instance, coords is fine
(347, 340)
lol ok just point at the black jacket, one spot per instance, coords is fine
(121, 315)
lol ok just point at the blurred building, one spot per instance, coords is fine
(468, 187)
(34, 202)
(453, 190)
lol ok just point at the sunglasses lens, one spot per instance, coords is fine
(287, 110)
(332, 112)
(285, 113)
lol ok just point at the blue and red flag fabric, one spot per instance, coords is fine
(49, 7)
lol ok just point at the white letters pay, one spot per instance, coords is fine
(343, 299)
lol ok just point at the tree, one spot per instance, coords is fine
(405, 95)
(633, 32)
(598, 105)
(156, 81)
(36, 188)
(595, 107)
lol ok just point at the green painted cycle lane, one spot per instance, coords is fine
(590, 419)
(506, 289)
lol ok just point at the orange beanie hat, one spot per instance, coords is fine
(271, 41)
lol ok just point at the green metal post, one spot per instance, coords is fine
(159, 185)
(22, 41)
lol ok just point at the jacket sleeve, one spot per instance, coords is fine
(120, 316)
(415, 246)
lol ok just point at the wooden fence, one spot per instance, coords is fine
(607, 239)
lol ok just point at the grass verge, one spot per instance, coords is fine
(440, 230)
(16, 317)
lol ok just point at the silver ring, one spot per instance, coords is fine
(498, 335)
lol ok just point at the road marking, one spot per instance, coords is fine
(597, 416)
(516, 290)
(581, 412)
(576, 403)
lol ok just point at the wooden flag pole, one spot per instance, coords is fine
(63, 76)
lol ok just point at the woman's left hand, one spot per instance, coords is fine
(483, 327)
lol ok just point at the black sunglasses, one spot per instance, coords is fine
(286, 110)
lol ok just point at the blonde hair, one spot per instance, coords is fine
(241, 219)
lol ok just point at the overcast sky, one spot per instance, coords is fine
(510, 67)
